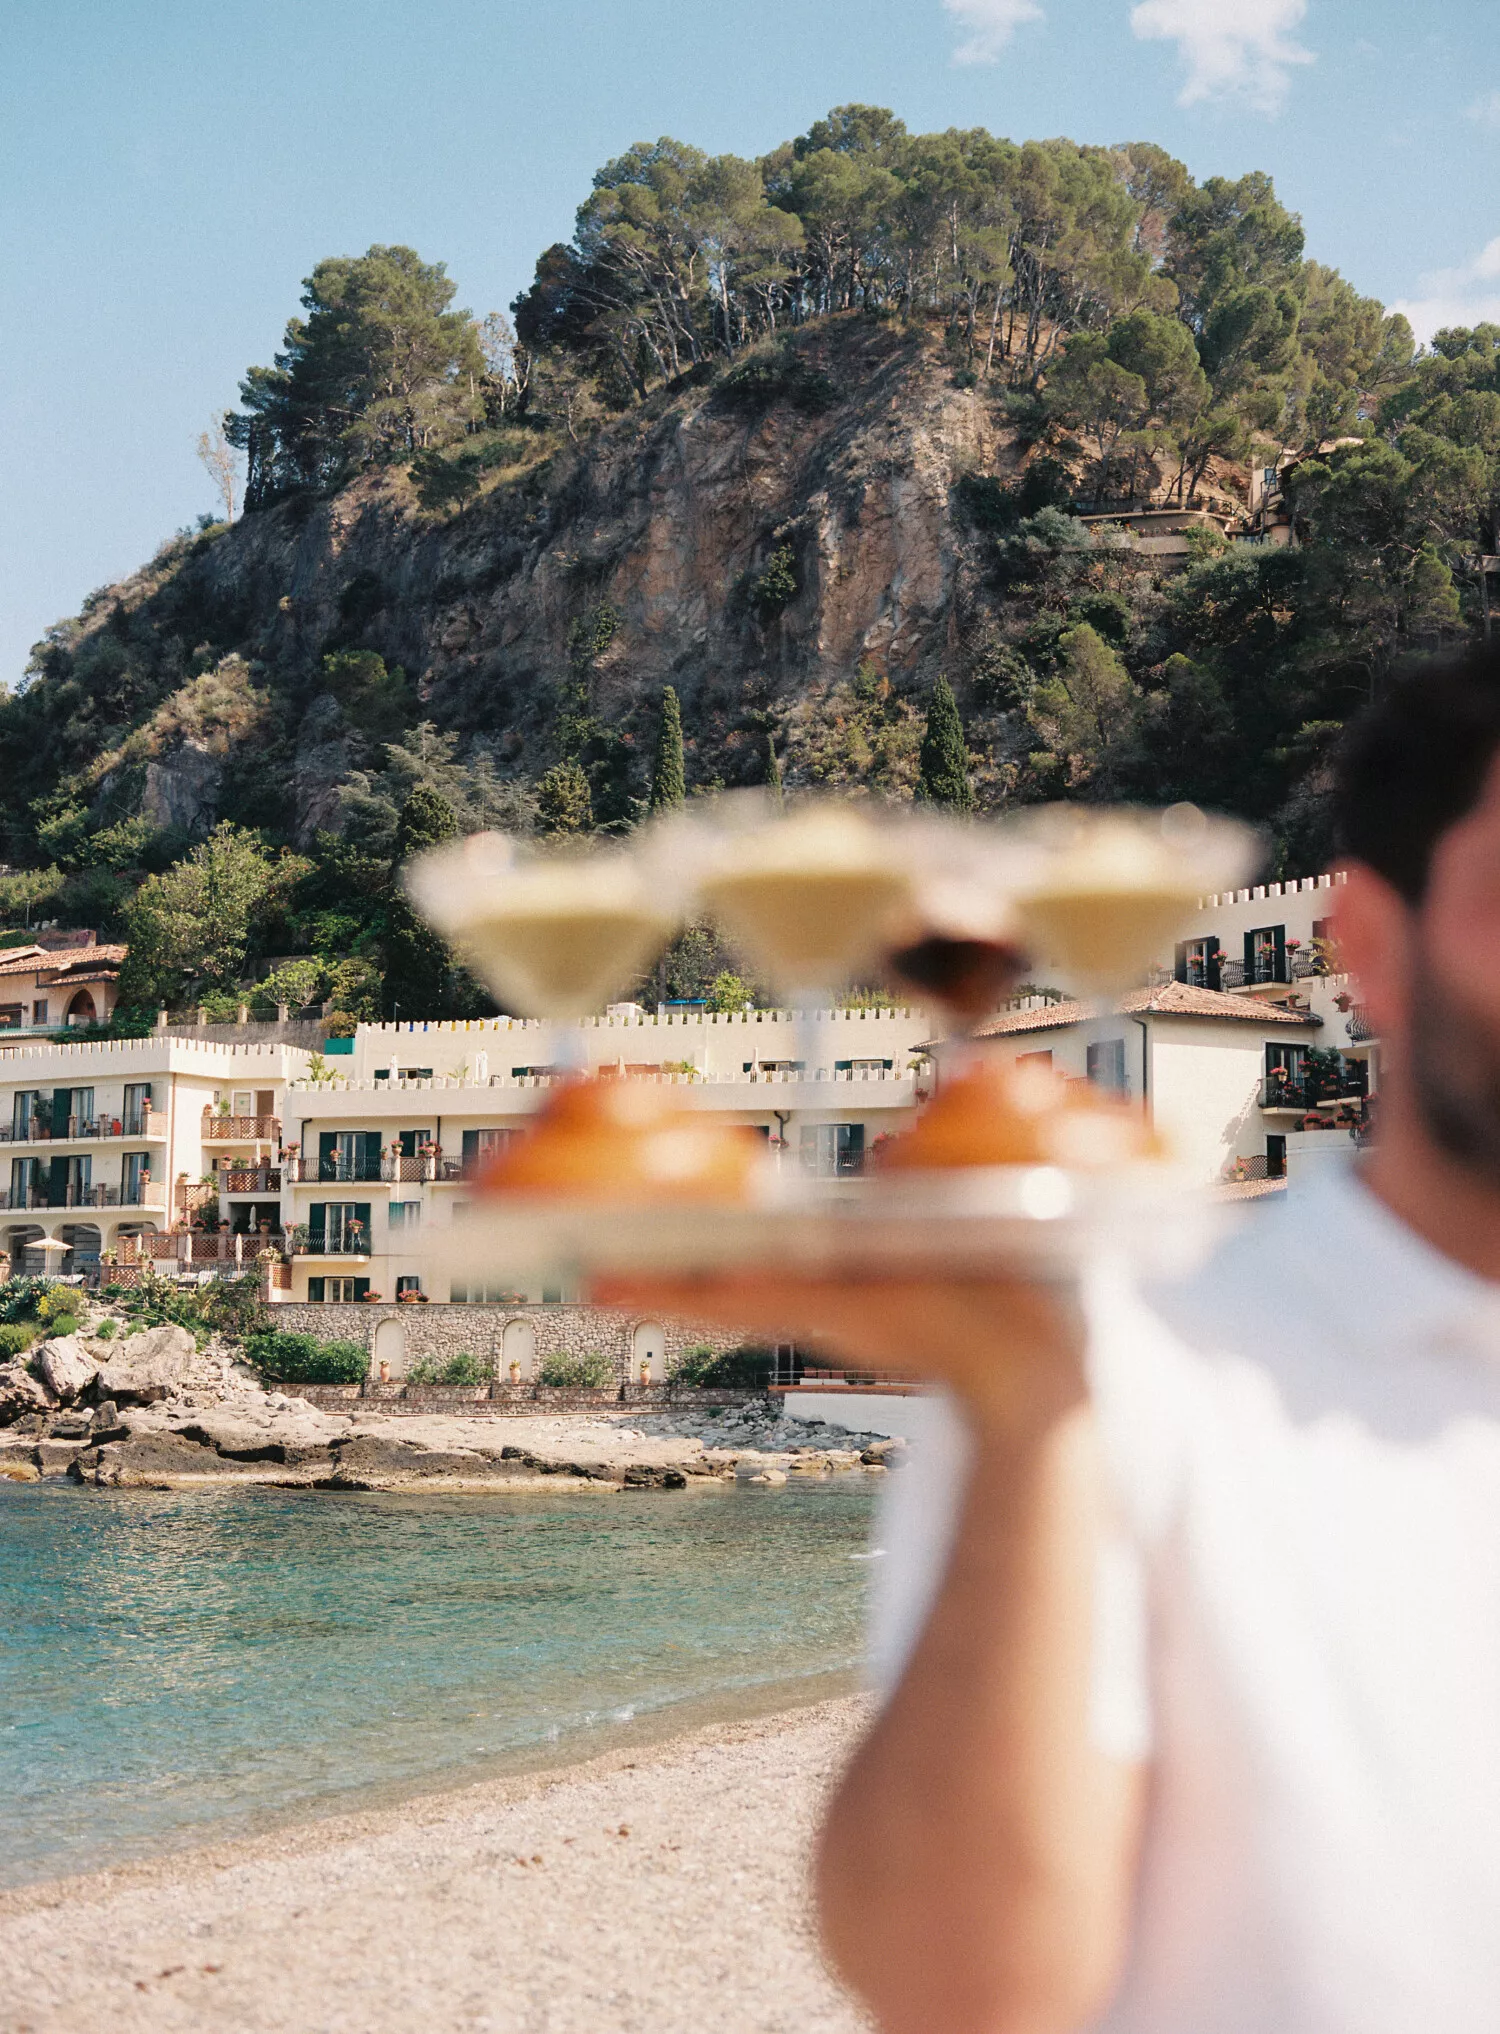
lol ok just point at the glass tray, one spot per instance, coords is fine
(1040, 1221)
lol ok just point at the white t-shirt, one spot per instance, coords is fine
(1298, 1624)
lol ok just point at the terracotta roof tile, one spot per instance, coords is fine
(1170, 999)
(61, 963)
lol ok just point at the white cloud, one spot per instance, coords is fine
(1469, 295)
(1232, 49)
(990, 24)
(1485, 109)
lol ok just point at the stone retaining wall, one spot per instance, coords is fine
(512, 1401)
(444, 1328)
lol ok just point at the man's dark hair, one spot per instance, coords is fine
(1414, 764)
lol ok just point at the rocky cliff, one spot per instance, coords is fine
(753, 540)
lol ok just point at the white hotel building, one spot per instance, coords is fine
(197, 1154)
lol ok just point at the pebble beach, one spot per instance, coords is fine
(661, 1886)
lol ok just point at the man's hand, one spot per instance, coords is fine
(1010, 1349)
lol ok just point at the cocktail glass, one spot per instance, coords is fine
(554, 935)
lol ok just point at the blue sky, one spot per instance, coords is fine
(171, 169)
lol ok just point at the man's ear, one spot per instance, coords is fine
(1372, 925)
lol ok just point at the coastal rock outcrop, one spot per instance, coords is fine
(65, 1367)
(149, 1366)
(21, 1393)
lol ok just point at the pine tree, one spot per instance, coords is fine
(773, 769)
(944, 773)
(563, 801)
(669, 776)
(418, 965)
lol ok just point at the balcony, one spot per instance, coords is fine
(147, 1195)
(147, 1125)
(250, 1179)
(240, 1129)
(399, 1171)
(325, 1246)
(1284, 1096)
(1359, 1027)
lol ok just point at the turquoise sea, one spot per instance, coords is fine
(176, 1667)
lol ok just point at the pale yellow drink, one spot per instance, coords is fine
(1107, 904)
(812, 898)
(551, 938)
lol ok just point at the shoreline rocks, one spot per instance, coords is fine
(154, 1412)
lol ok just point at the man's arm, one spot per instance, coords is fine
(977, 1867)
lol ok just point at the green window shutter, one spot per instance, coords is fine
(315, 1289)
(328, 1149)
(369, 1152)
(317, 1220)
(361, 1288)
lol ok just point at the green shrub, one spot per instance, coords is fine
(231, 1307)
(590, 1367)
(464, 1368)
(107, 1330)
(63, 1324)
(15, 1337)
(20, 1298)
(287, 1358)
(747, 1368)
(783, 376)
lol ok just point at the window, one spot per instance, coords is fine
(863, 1065)
(1034, 1058)
(336, 1291)
(12, 1016)
(26, 1106)
(242, 1103)
(135, 1178)
(462, 1293)
(1106, 1064)
(830, 1150)
(137, 1106)
(23, 1181)
(349, 1155)
(1198, 962)
(405, 1214)
(1275, 1158)
(480, 1146)
(410, 1142)
(1265, 954)
(340, 1227)
(408, 1283)
(39, 1012)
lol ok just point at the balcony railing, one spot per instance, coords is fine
(240, 1129)
(147, 1195)
(400, 1171)
(198, 1249)
(85, 1129)
(1303, 1097)
(250, 1179)
(324, 1246)
(1359, 1027)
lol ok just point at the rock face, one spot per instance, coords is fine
(65, 1367)
(21, 1393)
(666, 522)
(148, 1366)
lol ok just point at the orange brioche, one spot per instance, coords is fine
(1021, 1116)
(616, 1140)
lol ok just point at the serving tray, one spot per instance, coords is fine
(1041, 1221)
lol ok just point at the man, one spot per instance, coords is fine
(1192, 1616)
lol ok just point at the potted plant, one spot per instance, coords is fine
(645, 1372)
(515, 1370)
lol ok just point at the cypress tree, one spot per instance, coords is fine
(773, 769)
(418, 965)
(669, 776)
(944, 771)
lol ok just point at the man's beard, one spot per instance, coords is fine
(1455, 1065)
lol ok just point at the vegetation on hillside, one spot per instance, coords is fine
(1136, 335)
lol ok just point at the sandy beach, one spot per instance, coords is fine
(658, 1887)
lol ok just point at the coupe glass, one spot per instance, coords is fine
(555, 934)
(1111, 885)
